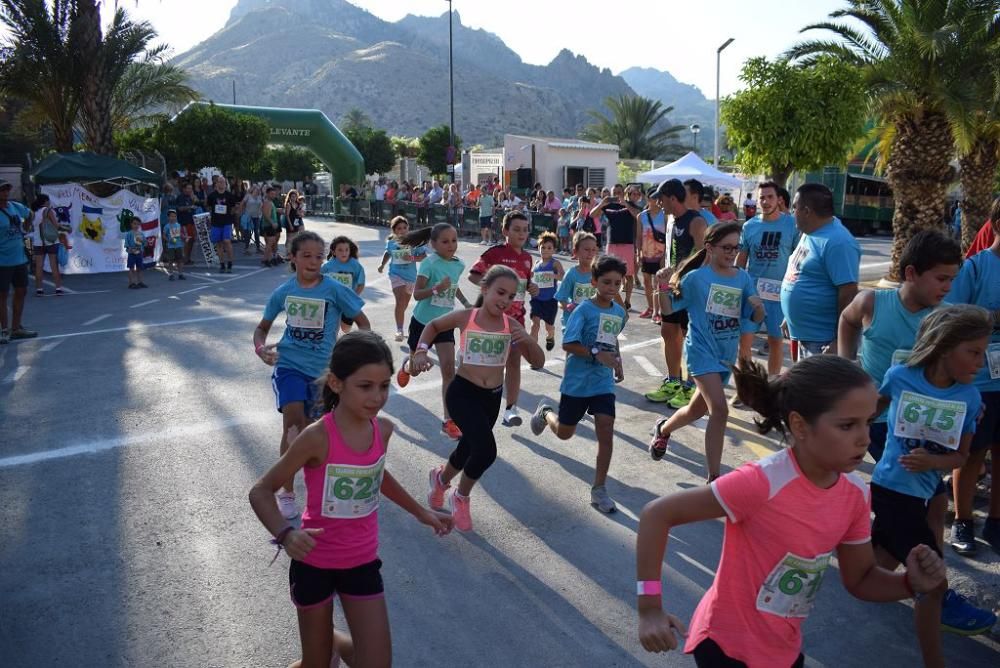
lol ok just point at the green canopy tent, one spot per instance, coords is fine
(89, 168)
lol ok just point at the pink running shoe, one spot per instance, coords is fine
(459, 507)
(435, 489)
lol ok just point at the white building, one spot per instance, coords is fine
(558, 163)
(484, 166)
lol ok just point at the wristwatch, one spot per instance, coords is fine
(593, 354)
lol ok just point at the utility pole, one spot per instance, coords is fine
(718, 70)
(451, 96)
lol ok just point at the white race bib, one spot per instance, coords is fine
(900, 355)
(522, 289)
(582, 292)
(769, 289)
(927, 419)
(220, 209)
(791, 587)
(993, 359)
(347, 280)
(724, 300)
(305, 313)
(486, 348)
(350, 492)
(402, 255)
(545, 279)
(608, 327)
(445, 298)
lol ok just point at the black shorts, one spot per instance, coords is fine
(571, 409)
(988, 429)
(347, 321)
(708, 654)
(16, 275)
(900, 523)
(677, 318)
(417, 328)
(270, 232)
(310, 586)
(651, 266)
(546, 310)
(42, 250)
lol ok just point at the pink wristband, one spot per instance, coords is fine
(258, 348)
(423, 346)
(648, 588)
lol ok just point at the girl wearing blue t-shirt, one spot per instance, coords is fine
(313, 304)
(435, 292)
(576, 285)
(342, 265)
(547, 272)
(717, 295)
(933, 406)
(402, 268)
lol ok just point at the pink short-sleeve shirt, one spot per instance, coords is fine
(781, 531)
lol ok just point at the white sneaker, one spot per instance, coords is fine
(538, 422)
(511, 418)
(399, 336)
(286, 504)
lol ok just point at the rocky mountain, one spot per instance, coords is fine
(334, 56)
(690, 105)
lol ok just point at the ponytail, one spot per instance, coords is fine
(686, 267)
(415, 238)
(762, 395)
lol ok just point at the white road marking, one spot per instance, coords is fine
(200, 287)
(65, 289)
(139, 326)
(96, 320)
(647, 366)
(701, 567)
(49, 346)
(16, 374)
(147, 303)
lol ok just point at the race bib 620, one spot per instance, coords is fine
(769, 289)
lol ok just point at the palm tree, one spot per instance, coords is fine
(37, 65)
(355, 119)
(146, 85)
(912, 56)
(636, 126)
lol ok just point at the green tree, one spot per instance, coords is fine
(37, 65)
(434, 149)
(916, 68)
(638, 125)
(777, 123)
(375, 147)
(291, 163)
(355, 119)
(147, 85)
(206, 135)
(405, 147)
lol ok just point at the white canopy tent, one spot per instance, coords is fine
(691, 167)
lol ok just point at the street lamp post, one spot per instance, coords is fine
(451, 91)
(718, 69)
(695, 130)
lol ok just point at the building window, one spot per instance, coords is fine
(596, 179)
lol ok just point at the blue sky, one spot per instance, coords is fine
(680, 37)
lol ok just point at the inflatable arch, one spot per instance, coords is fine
(311, 129)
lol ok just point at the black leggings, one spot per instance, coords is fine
(708, 654)
(474, 409)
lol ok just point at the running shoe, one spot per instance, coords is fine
(22, 333)
(511, 418)
(628, 306)
(959, 616)
(59, 292)
(666, 392)
(458, 506)
(402, 376)
(39, 292)
(658, 444)
(963, 537)
(4, 336)
(286, 504)
(682, 398)
(222, 268)
(600, 499)
(140, 284)
(399, 335)
(170, 277)
(648, 313)
(538, 422)
(132, 286)
(181, 277)
(735, 402)
(991, 533)
(451, 429)
(657, 319)
(229, 267)
(550, 343)
(435, 488)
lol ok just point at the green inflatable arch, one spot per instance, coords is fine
(311, 129)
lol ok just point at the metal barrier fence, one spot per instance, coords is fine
(372, 212)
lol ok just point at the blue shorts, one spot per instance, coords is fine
(290, 386)
(220, 234)
(545, 310)
(773, 317)
(134, 261)
(571, 409)
(485, 221)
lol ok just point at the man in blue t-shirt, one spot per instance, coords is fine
(822, 274)
(13, 263)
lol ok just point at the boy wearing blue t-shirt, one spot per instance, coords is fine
(546, 273)
(593, 366)
(173, 246)
(134, 242)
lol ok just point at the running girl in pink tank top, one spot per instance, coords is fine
(473, 397)
(786, 517)
(335, 552)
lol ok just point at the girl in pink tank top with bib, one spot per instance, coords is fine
(336, 550)
(473, 397)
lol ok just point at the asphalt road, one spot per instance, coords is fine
(133, 427)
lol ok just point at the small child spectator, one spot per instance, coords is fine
(172, 256)
(133, 246)
(562, 230)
